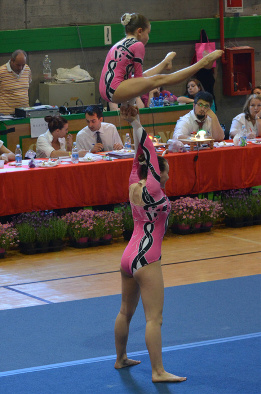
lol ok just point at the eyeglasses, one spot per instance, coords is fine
(201, 105)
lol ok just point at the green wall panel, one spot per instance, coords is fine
(56, 38)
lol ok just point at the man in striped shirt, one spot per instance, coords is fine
(15, 77)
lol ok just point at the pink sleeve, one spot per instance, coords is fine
(139, 53)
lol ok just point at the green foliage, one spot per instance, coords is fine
(26, 233)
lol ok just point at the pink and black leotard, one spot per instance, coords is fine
(150, 219)
(123, 61)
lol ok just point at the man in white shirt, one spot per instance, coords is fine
(200, 118)
(97, 136)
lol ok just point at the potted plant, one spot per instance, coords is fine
(34, 233)
(8, 238)
(190, 215)
(43, 237)
(80, 227)
(58, 229)
(127, 221)
(27, 237)
(183, 215)
(107, 224)
(240, 206)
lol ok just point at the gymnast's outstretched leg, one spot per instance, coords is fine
(134, 87)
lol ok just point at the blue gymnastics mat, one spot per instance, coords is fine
(69, 347)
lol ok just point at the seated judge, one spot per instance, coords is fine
(6, 154)
(56, 141)
(249, 121)
(97, 136)
(201, 117)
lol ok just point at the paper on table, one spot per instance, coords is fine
(222, 144)
(90, 157)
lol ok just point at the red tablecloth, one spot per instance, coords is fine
(106, 182)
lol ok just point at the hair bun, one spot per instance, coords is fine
(125, 19)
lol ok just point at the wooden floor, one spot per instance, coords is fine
(74, 274)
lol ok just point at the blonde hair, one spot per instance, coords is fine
(247, 105)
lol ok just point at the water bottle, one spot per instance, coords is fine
(243, 130)
(160, 100)
(127, 144)
(47, 72)
(75, 154)
(243, 137)
(152, 103)
(18, 156)
(156, 102)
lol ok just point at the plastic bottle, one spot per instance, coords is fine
(18, 156)
(152, 103)
(243, 136)
(75, 154)
(160, 100)
(47, 71)
(156, 102)
(243, 131)
(127, 144)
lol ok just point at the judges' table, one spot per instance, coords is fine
(106, 182)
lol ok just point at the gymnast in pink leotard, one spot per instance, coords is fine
(151, 215)
(122, 78)
(124, 60)
(141, 272)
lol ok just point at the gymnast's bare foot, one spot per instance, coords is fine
(211, 57)
(125, 363)
(168, 60)
(166, 377)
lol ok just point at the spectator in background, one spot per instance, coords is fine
(256, 90)
(249, 119)
(193, 86)
(15, 78)
(53, 142)
(200, 118)
(146, 98)
(6, 154)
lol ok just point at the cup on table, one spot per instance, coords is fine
(2, 163)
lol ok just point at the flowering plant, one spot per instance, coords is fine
(127, 219)
(79, 224)
(241, 203)
(8, 236)
(34, 226)
(107, 222)
(92, 224)
(187, 210)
